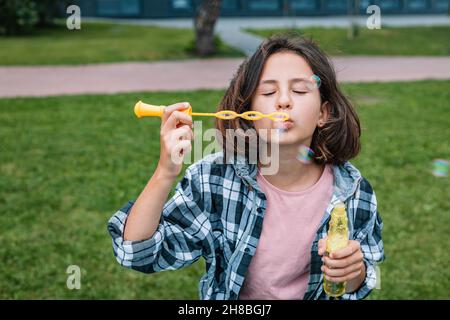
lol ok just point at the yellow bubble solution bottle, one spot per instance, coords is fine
(337, 239)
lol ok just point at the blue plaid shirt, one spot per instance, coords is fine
(217, 213)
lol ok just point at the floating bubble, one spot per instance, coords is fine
(305, 155)
(313, 83)
(440, 167)
(316, 79)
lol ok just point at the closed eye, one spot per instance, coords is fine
(268, 93)
(300, 92)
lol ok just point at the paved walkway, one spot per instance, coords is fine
(195, 74)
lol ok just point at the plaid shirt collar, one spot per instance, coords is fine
(346, 178)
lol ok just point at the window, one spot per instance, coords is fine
(363, 4)
(118, 7)
(417, 4)
(336, 6)
(230, 5)
(441, 5)
(389, 5)
(264, 5)
(303, 5)
(181, 4)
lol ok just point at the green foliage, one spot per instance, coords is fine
(100, 42)
(413, 41)
(17, 16)
(21, 16)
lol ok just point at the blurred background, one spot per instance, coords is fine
(72, 152)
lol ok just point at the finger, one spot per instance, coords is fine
(342, 272)
(322, 246)
(346, 278)
(342, 263)
(176, 117)
(351, 248)
(180, 149)
(182, 133)
(177, 106)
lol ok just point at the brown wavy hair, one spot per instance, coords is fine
(339, 139)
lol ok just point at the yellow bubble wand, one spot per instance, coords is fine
(142, 109)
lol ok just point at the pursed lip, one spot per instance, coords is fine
(284, 124)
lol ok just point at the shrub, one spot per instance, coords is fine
(21, 16)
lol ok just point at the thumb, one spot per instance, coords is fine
(322, 246)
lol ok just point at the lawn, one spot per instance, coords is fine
(101, 42)
(408, 41)
(67, 164)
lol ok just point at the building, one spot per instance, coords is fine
(249, 8)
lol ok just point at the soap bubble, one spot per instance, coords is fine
(313, 83)
(307, 85)
(440, 167)
(305, 155)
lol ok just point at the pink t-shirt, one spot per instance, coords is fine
(280, 267)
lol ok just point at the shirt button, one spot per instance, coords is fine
(247, 250)
(259, 210)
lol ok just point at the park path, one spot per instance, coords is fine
(195, 74)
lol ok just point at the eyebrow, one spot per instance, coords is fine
(272, 81)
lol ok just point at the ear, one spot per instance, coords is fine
(323, 114)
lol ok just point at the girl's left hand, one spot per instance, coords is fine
(344, 265)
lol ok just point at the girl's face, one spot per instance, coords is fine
(286, 85)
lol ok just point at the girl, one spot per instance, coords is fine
(262, 236)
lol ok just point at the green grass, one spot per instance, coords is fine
(408, 41)
(68, 163)
(101, 42)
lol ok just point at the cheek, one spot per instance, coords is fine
(312, 114)
(262, 124)
(306, 115)
(262, 104)
(309, 107)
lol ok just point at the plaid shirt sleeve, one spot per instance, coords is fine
(368, 226)
(178, 239)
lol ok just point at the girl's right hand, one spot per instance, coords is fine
(175, 139)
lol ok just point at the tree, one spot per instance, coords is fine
(353, 11)
(204, 22)
(17, 16)
(21, 16)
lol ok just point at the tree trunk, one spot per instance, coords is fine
(204, 23)
(353, 11)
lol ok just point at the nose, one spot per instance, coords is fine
(284, 101)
